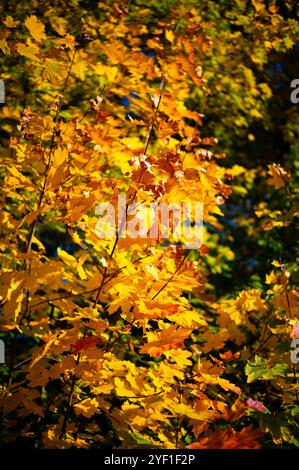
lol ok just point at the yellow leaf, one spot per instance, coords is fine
(52, 337)
(14, 298)
(180, 357)
(188, 319)
(66, 257)
(279, 176)
(29, 51)
(10, 22)
(169, 35)
(87, 407)
(276, 264)
(36, 28)
(271, 278)
(4, 46)
(72, 262)
(59, 170)
(20, 180)
(236, 170)
(257, 5)
(164, 340)
(187, 410)
(80, 270)
(54, 71)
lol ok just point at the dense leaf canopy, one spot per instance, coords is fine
(137, 342)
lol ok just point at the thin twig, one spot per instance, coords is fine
(99, 290)
(34, 224)
(171, 277)
(261, 346)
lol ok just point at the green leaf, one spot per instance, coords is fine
(261, 369)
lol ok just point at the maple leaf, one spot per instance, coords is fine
(85, 343)
(10, 22)
(4, 46)
(54, 70)
(187, 410)
(29, 51)
(234, 412)
(36, 28)
(179, 356)
(71, 261)
(216, 341)
(50, 340)
(133, 293)
(166, 128)
(256, 405)
(87, 407)
(172, 337)
(260, 369)
(12, 293)
(210, 374)
(230, 439)
(279, 176)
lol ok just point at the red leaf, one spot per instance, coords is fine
(85, 343)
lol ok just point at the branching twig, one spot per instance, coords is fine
(171, 277)
(105, 272)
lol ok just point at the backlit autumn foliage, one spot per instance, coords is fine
(142, 342)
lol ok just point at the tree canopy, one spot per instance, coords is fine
(145, 341)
